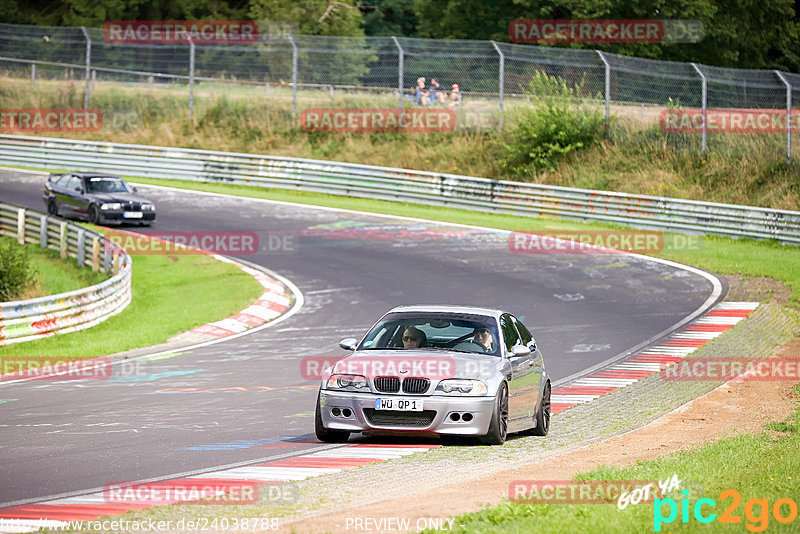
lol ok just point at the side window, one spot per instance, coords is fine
(525, 336)
(64, 180)
(74, 183)
(510, 335)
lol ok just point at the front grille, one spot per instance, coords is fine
(387, 384)
(132, 206)
(391, 418)
(416, 385)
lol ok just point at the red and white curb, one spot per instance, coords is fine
(57, 514)
(270, 305)
(652, 360)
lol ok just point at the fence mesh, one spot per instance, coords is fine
(302, 71)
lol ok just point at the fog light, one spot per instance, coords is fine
(346, 412)
(455, 416)
(336, 412)
(467, 417)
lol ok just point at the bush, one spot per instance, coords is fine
(16, 271)
(557, 123)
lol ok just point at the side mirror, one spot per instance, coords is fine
(135, 189)
(349, 343)
(520, 350)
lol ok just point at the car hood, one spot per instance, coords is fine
(118, 197)
(433, 364)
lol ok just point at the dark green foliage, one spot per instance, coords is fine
(16, 271)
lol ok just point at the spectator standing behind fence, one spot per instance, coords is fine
(455, 96)
(421, 96)
(436, 92)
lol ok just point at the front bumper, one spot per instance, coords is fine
(118, 216)
(364, 418)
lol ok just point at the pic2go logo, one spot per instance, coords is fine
(757, 521)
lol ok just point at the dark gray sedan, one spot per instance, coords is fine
(437, 370)
(98, 198)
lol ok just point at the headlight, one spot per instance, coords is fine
(111, 206)
(455, 386)
(148, 207)
(347, 381)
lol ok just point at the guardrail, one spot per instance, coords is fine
(386, 183)
(26, 320)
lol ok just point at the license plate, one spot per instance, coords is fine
(399, 404)
(132, 214)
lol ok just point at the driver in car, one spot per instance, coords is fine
(414, 338)
(483, 337)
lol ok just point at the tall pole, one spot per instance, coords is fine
(607, 96)
(294, 75)
(788, 116)
(88, 67)
(501, 79)
(705, 104)
(401, 57)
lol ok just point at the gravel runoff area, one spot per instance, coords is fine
(768, 328)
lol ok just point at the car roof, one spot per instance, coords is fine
(447, 308)
(92, 175)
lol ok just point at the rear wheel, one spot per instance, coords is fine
(543, 414)
(498, 428)
(94, 215)
(325, 434)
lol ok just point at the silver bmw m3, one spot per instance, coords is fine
(437, 370)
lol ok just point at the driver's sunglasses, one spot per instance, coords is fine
(409, 338)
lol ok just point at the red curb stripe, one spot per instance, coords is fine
(700, 327)
(557, 408)
(729, 313)
(393, 445)
(249, 320)
(686, 342)
(580, 390)
(322, 463)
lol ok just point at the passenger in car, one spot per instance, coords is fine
(484, 338)
(414, 338)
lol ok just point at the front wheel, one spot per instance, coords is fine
(498, 427)
(543, 414)
(325, 434)
(94, 215)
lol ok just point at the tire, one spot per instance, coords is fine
(498, 427)
(543, 414)
(52, 208)
(325, 434)
(94, 215)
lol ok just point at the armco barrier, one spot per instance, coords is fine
(27, 320)
(386, 183)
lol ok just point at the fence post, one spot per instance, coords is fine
(33, 74)
(62, 240)
(400, 67)
(21, 226)
(95, 254)
(43, 231)
(81, 247)
(705, 102)
(107, 254)
(607, 96)
(788, 116)
(294, 75)
(501, 79)
(191, 73)
(88, 66)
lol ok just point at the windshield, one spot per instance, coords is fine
(106, 184)
(459, 332)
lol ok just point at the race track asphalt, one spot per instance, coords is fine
(251, 404)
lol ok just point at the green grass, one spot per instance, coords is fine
(719, 254)
(54, 275)
(638, 158)
(158, 310)
(758, 466)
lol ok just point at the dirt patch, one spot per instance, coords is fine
(723, 412)
(757, 288)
